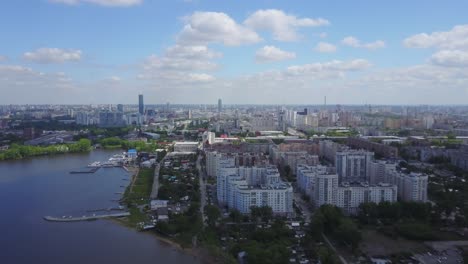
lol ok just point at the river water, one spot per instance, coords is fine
(33, 188)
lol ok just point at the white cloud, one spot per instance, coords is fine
(115, 79)
(325, 47)
(201, 77)
(181, 64)
(271, 53)
(332, 67)
(3, 58)
(110, 3)
(38, 86)
(356, 43)
(52, 55)
(199, 52)
(202, 28)
(450, 58)
(283, 26)
(456, 38)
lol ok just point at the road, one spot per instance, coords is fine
(154, 190)
(201, 177)
(343, 260)
(303, 205)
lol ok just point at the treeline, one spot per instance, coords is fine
(331, 221)
(115, 142)
(22, 151)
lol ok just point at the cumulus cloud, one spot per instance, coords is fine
(332, 67)
(22, 81)
(356, 43)
(201, 77)
(181, 64)
(110, 3)
(456, 38)
(202, 28)
(283, 26)
(271, 53)
(52, 55)
(325, 47)
(450, 58)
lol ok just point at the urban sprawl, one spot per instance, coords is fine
(276, 184)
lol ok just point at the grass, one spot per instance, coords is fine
(136, 216)
(375, 243)
(140, 192)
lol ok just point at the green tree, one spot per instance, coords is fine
(348, 232)
(213, 214)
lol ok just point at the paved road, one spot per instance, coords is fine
(154, 191)
(303, 205)
(343, 260)
(201, 177)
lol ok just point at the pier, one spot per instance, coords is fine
(84, 218)
(91, 170)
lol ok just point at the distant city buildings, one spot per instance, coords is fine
(111, 119)
(186, 146)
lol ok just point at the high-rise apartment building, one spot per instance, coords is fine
(242, 188)
(353, 165)
(141, 106)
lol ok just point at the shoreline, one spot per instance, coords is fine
(198, 253)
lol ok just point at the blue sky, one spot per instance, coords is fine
(107, 51)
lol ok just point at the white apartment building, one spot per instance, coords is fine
(306, 177)
(186, 146)
(411, 187)
(325, 189)
(380, 171)
(293, 159)
(216, 160)
(353, 165)
(350, 196)
(244, 187)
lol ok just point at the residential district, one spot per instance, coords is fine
(275, 184)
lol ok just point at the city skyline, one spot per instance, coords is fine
(245, 53)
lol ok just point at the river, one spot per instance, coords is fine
(33, 188)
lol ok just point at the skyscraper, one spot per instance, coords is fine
(120, 108)
(141, 107)
(220, 105)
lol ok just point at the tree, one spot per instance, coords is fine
(235, 216)
(213, 214)
(348, 232)
(327, 256)
(263, 212)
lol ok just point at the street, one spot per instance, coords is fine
(201, 177)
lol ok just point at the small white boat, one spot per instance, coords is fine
(95, 164)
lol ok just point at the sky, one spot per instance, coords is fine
(244, 52)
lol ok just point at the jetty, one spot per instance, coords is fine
(84, 218)
(91, 170)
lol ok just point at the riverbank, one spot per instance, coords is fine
(200, 253)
